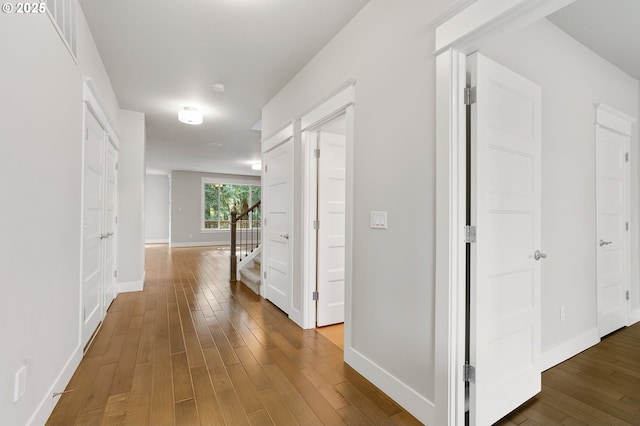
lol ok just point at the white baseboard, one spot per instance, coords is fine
(161, 241)
(201, 244)
(48, 403)
(130, 286)
(634, 316)
(416, 404)
(564, 351)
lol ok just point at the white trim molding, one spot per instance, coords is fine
(611, 118)
(132, 286)
(564, 351)
(409, 399)
(48, 403)
(200, 244)
(160, 241)
(279, 137)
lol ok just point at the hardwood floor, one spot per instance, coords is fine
(193, 349)
(600, 386)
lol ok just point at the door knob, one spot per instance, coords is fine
(605, 243)
(285, 236)
(539, 255)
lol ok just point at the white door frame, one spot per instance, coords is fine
(612, 120)
(282, 136)
(460, 31)
(92, 105)
(341, 101)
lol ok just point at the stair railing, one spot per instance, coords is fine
(244, 226)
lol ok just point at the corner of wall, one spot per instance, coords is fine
(419, 406)
(564, 351)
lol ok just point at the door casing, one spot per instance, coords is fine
(340, 102)
(460, 30)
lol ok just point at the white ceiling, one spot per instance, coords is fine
(163, 55)
(610, 28)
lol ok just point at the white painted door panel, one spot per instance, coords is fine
(93, 222)
(331, 234)
(612, 245)
(110, 212)
(506, 208)
(279, 186)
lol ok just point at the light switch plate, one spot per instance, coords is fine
(378, 220)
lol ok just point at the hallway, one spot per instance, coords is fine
(192, 349)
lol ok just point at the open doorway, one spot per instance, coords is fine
(572, 91)
(327, 210)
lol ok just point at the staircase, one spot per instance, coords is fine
(250, 270)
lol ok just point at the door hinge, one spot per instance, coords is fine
(86, 134)
(469, 234)
(316, 153)
(265, 168)
(315, 295)
(469, 373)
(470, 95)
(265, 221)
(626, 157)
(116, 166)
(626, 226)
(84, 314)
(264, 275)
(316, 224)
(627, 294)
(116, 218)
(115, 273)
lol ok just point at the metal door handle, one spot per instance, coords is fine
(539, 255)
(605, 243)
(285, 236)
(104, 236)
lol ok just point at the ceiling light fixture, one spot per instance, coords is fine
(190, 115)
(256, 166)
(218, 87)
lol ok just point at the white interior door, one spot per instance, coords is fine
(110, 220)
(505, 274)
(93, 222)
(612, 200)
(279, 186)
(331, 231)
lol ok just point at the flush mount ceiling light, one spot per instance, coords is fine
(190, 115)
(218, 87)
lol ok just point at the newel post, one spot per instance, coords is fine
(234, 259)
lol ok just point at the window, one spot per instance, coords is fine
(218, 200)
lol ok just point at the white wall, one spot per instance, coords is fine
(131, 176)
(41, 170)
(573, 79)
(156, 207)
(186, 203)
(387, 49)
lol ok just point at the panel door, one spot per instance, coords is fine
(331, 233)
(612, 245)
(505, 273)
(93, 222)
(109, 234)
(279, 209)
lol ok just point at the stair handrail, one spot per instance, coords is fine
(235, 217)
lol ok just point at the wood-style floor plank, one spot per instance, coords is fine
(600, 386)
(194, 349)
